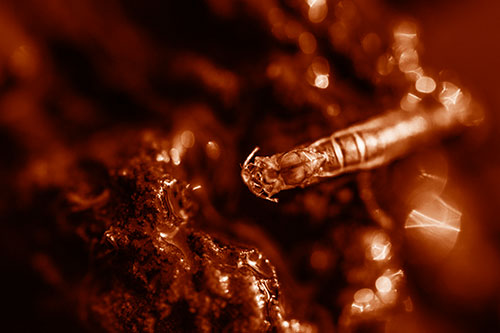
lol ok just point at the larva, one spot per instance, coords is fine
(367, 145)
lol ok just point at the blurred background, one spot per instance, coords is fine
(414, 246)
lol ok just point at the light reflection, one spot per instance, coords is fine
(387, 286)
(313, 3)
(405, 34)
(318, 73)
(420, 220)
(451, 96)
(296, 327)
(404, 129)
(317, 10)
(414, 74)
(383, 284)
(364, 295)
(220, 80)
(385, 64)
(435, 221)
(262, 293)
(320, 66)
(293, 29)
(23, 61)
(380, 247)
(408, 61)
(320, 259)
(425, 85)
(187, 139)
(430, 175)
(274, 70)
(346, 10)
(164, 237)
(339, 34)
(212, 149)
(224, 283)
(163, 157)
(174, 154)
(364, 300)
(371, 43)
(275, 16)
(180, 145)
(333, 110)
(307, 42)
(408, 304)
(410, 102)
(321, 81)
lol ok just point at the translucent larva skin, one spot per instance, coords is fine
(364, 146)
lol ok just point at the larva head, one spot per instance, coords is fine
(261, 175)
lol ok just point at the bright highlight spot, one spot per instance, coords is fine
(451, 96)
(317, 10)
(380, 247)
(364, 299)
(425, 85)
(409, 102)
(447, 219)
(383, 284)
(408, 61)
(174, 154)
(313, 3)
(406, 34)
(163, 157)
(318, 73)
(364, 295)
(385, 64)
(212, 150)
(187, 139)
(434, 224)
(321, 81)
